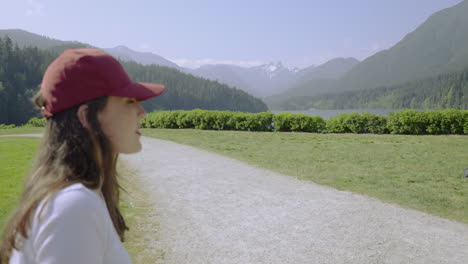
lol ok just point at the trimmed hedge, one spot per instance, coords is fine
(287, 122)
(411, 122)
(357, 123)
(210, 120)
(3, 126)
(36, 122)
(450, 121)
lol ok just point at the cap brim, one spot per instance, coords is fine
(144, 91)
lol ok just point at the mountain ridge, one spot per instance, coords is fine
(262, 80)
(145, 58)
(438, 46)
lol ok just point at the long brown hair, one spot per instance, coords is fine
(68, 154)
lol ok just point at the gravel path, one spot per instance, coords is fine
(218, 210)
(214, 209)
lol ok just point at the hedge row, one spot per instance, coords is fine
(225, 120)
(210, 120)
(412, 122)
(33, 122)
(409, 122)
(450, 121)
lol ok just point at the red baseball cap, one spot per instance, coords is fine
(80, 75)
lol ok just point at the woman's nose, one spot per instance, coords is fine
(141, 112)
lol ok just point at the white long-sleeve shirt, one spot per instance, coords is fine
(74, 228)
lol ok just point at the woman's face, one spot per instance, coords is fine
(120, 121)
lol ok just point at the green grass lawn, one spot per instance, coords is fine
(419, 172)
(143, 237)
(16, 156)
(21, 130)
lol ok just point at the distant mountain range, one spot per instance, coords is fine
(145, 58)
(438, 46)
(260, 80)
(24, 38)
(264, 80)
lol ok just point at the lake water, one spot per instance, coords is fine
(326, 114)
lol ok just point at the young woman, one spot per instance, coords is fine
(69, 209)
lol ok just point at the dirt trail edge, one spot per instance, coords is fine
(215, 209)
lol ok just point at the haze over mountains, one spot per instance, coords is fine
(437, 46)
(145, 58)
(263, 80)
(24, 38)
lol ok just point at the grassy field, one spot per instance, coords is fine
(21, 130)
(142, 239)
(16, 155)
(419, 172)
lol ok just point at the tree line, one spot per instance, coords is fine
(21, 71)
(441, 92)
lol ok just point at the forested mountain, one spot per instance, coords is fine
(228, 74)
(439, 92)
(21, 71)
(282, 100)
(145, 58)
(186, 92)
(27, 39)
(324, 75)
(332, 69)
(438, 46)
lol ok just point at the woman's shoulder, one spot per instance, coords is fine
(77, 193)
(73, 200)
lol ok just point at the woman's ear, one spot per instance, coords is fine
(82, 113)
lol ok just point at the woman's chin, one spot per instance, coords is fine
(130, 149)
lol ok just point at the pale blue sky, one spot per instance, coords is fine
(244, 32)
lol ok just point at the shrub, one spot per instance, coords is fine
(3, 126)
(450, 121)
(36, 122)
(357, 123)
(354, 123)
(262, 121)
(409, 122)
(161, 119)
(282, 122)
(375, 124)
(286, 122)
(256, 121)
(337, 124)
